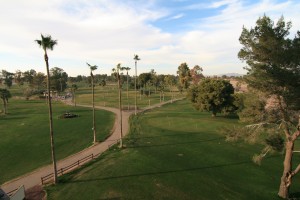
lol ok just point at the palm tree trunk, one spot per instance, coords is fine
(51, 121)
(127, 92)
(135, 107)
(120, 107)
(93, 103)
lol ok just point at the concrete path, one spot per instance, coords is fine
(34, 178)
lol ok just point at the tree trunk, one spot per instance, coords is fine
(120, 107)
(135, 100)
(74, 99)
(51, 121)
(287, 164)
(93, 103)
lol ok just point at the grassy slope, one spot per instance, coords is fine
(175, 153)
(25, 140)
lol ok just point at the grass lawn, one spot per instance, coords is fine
(25, 140)
(175, 152)
(108, 96)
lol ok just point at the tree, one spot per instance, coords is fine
(135, 58)
(7, 77)
(18, 76)
(4, 95)
(74, 87)
(170, 81)
(127, 69)
(46, 43)
(274, 70)
(116, 74)
(59, 79)
(93, 68)
(39, 81)
(28, 76)
(212, 95)
(196, 74)
(184, 75)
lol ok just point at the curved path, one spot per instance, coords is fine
(34, 178)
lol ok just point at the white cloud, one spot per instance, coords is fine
(107, 32)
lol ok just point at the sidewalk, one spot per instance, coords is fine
(34, 178)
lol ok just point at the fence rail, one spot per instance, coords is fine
(61, 171)
(10, 193)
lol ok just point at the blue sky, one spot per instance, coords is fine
(164, 33)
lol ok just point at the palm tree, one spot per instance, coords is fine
(135, 58)
(74, 87)
(47, 43)
(93, 68)
(127, 69)
(116, 73)
(4, 95)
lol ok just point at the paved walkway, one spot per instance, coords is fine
(34, 178)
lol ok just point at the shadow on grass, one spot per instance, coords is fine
(178, 143)
(68, 181)
(295, 195)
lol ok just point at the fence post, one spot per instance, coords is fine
(42, 180)
(92, 156)
(78, 162)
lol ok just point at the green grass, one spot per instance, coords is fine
(108, 96)
(175, 152)
(25, 140)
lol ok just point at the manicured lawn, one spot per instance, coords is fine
(25, 140)
(108, 96)
(175, 152)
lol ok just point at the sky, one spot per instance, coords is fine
(164, 33)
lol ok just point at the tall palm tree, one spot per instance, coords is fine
(93, 68)
(135, 58)
(46, 43)
(116, 73)
(127, 69)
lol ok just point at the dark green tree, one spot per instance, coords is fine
(274, 69)
(59, 79)
(212, 95)
(7, 78)
(4, 95)
(46, 43)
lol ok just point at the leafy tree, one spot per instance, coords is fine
(212, 95)
(170, 80)
(39, 81)
(46, 43)
(59, 79)
(274, 70)
(4, 95)
(7, 78)
(135, 58)
(116, 73)
(196, 74)
(144, 78)
(18, 77)
(93, 68)
(184, 75)
(28, 76)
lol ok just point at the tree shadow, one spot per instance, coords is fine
(295, 196)
(68, 181)
(178, 143)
